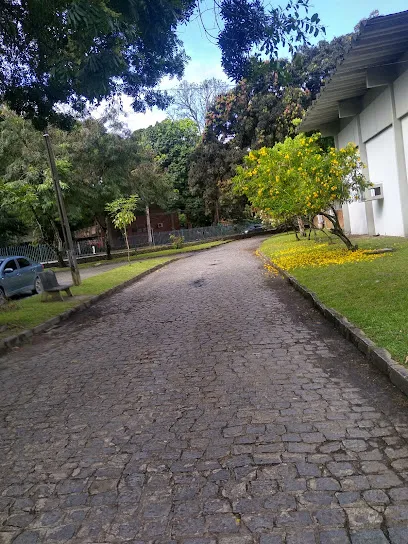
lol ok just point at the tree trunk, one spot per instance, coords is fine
(60, 258)
(216, 213)
(338, 231)
(149, 226)
(106, 235)
(301, 226)
(127, 243)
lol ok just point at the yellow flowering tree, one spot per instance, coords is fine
(299, 178)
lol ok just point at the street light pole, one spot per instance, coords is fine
(66, 231)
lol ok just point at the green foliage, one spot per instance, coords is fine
(261, 109)
(299, 178)
(26, 188)
(251, 24)
(101, 163)
(212, 166)
(78, 52)
(177, 242)
(151, 182)
(122, 211)
(74, 51)
(171, 145)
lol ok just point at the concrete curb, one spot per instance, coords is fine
(378, 357)
(25, 336)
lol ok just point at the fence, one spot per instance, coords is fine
(41, 253)
(44, 253)
(189, 235)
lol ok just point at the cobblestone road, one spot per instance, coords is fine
(207, 404)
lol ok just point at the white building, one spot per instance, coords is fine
(366, 102)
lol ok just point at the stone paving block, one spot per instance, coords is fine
(398, 535)
(363, 517)
(334, 536)
(368, 537)
(330, 517)
(397, 515)
(204, 405)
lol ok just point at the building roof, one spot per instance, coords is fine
(381, 41)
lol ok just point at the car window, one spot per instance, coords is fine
(11, 264)
(23, 263)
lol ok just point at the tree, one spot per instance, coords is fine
(260, 110)
(172, 144)
(212, 165)
(75, 51)
(25, 178)
(122, 212)
(101, 163)
(249, 26)
(153, 187)
(11, 227)
(300, 178)
(193, 100)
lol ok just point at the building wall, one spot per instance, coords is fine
(381, 133)
(404, 124)
(383, 169)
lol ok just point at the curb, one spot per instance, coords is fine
(25, 336)
(379, 357)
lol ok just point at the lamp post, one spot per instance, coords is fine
(66, 231)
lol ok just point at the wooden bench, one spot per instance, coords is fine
(51, 287)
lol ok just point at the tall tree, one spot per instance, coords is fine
(101, 164)
(193, 100)
(71, 51)
(152, 185)
(78, 51)
(261, 109)
(26, 183)
(213, 164)
(172, 144)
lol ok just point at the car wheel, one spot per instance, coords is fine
(3, 298)
(37, 286)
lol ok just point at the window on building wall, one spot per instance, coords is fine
(159, 225)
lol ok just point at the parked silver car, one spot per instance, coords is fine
(18, 275)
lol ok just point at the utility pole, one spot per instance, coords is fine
(66, 231)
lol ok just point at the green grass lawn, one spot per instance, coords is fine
(373, 295)
(29, 312)
(149, 255)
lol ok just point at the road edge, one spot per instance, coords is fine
(379, 357)
(25, 336)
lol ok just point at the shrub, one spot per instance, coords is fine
(177, 242)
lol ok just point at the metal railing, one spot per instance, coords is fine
(41, 253)
(189, 235)
(44, 253)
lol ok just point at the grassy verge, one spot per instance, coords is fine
(371, 291)
(29, 312)
(148, 255)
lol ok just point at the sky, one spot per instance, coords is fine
(338, 16)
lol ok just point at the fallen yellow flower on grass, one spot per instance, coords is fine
(316, 255)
